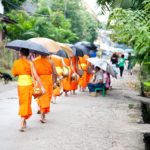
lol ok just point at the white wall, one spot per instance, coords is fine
(1, 7)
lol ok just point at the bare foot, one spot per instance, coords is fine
(43, 120)
(23, 125)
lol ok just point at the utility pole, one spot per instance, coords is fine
(65, 8)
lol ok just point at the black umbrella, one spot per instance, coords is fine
(83, 48)
(89, 45)
(33, 47)
(76, 52)
(62, 53)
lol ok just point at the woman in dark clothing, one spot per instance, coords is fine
(121, 64)
(114, 59)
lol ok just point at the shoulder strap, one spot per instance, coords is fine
(32, 74)
(80, 64)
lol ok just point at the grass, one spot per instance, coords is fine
(131, 106)
(147, 86)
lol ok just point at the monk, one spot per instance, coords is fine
(67, 76)
(22, 68)
(45, 68)
(57, 89)
(74, 76)
(82, 64)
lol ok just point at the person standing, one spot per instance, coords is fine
(45, 68)
(22, 69)
(121, 64)
(114, 61)
(130, 63)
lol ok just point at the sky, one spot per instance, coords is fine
(93, 5)
(97, 10)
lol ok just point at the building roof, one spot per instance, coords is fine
(6, 19)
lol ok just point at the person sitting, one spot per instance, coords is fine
(96, 82)
(107, 80)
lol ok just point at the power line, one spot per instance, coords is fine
(15, 6)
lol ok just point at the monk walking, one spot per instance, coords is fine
(45, 68)
(22, 69)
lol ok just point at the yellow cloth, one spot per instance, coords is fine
(24, 80)
(59, 70)
(66, 70)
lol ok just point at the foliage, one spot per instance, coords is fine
(12, 4)
(147, 86)
(6, 57)
(52, 20)
(83, 23)
(125, 4)
(132, 27)
(23, 29)
(54, 26)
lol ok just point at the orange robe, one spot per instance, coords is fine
(57, 90)
(22, 67)
(44, 70)
(67, 80)
(58, 64)
(74, 83)
(59, 69)
(82, 64)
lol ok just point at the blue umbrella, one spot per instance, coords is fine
(92, 53)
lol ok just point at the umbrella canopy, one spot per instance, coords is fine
(86, 47)
(91, 46)
(104, 65)
(76, 52)
(51, 45)
(83, 48)
(62, 53)
(92, 53)
(67, 49)
(33, 47)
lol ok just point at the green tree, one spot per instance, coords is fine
(44, 23)
(125, 4)
(55, 24)
(133, 28)
(12, 4)
(83, 23)
(24, 28)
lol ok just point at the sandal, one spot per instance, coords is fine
(22, 129)
(42, 121)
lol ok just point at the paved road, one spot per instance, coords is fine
(77, 122)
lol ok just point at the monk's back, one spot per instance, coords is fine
(21, 67)
(43, 66)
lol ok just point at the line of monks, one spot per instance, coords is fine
(54, 74)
